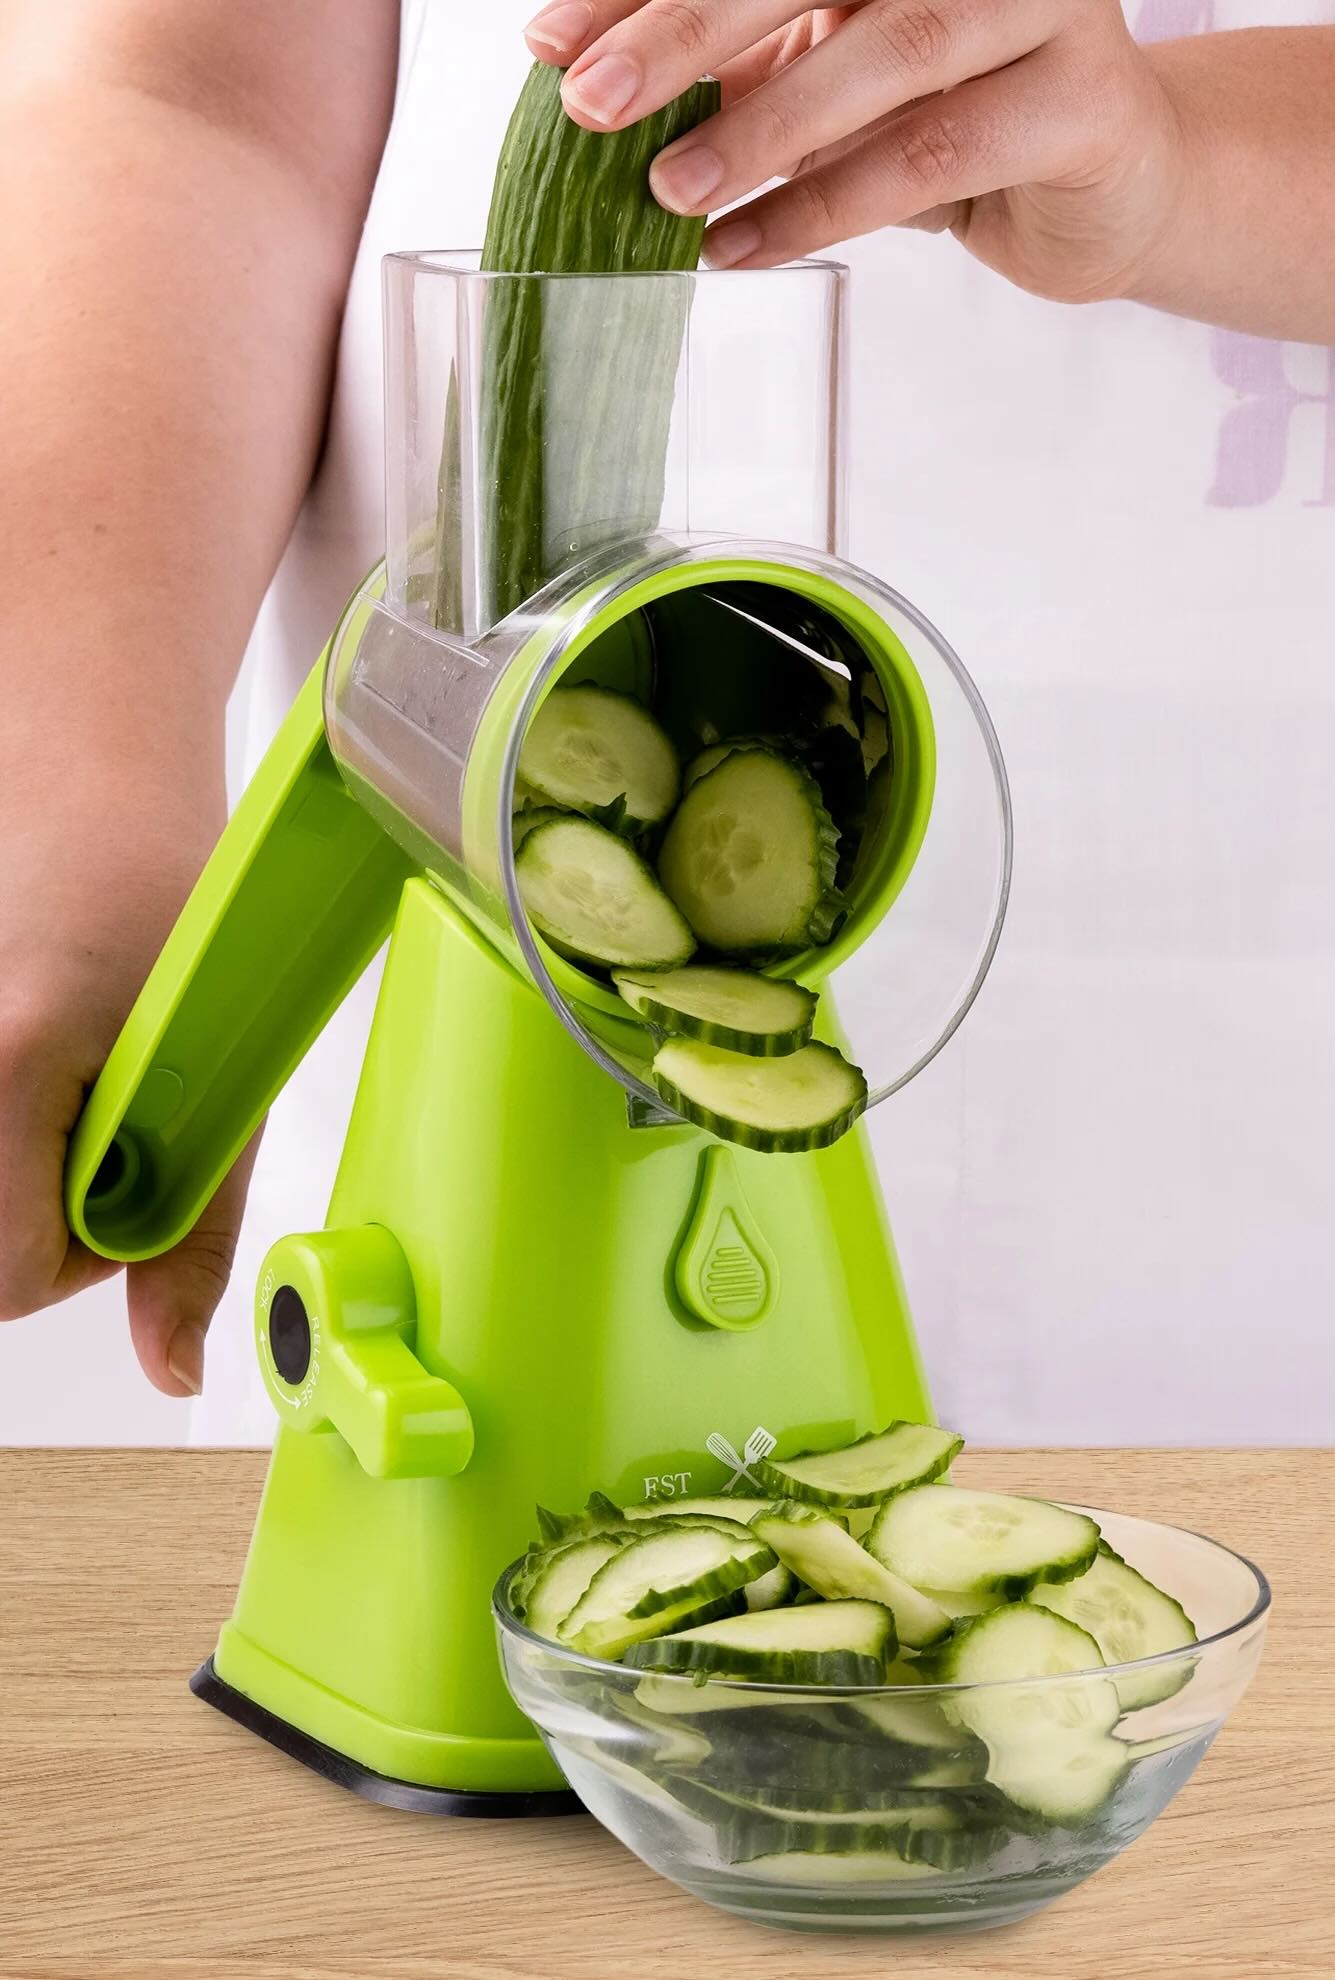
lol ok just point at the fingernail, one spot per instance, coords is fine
(683, 180)
(730, 243)
(603, 90)
(560, 28)
(185, 1357)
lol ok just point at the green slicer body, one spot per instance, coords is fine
(533, 1280)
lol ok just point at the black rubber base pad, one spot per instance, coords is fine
(346, 1773)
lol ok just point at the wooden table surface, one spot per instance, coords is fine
(143, 1837)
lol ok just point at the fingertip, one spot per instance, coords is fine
(172, 1299)
(557, 34)
(583, 119)
(185, 1358)
(731, 243)
(170, 1353)
(168, 1324)
(686, 178)
(599, 97)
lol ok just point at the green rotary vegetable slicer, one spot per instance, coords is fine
(535, 1278)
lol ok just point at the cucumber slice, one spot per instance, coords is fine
(864, 1473)
(601, 1521)
(588, 746)
(827, 1750)
(600, 1515)
(529, 818)
(653, 1793)
(673, 1743)
(919, 1723)
(1065, 1781)
(1049, 1745)
(964, 1768)
(844, 1808)
(673, 1695)
(595, 899)
(558, 1579)
(830, 1560)
(773, 1590)
(638, 1529)
(709, 759)
(913, 1828)
(1128, 1617)
(661, 1582)
(961, 1607)
(1148, 1749)
(815, 1869)
(914, 1850)
(734, 1008)
(830, 1643)
(983, 1543)
(750, 856)
(701, 765)
(732, 1529)
(781, 1106)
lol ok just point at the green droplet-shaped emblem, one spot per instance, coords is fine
(726, 1274)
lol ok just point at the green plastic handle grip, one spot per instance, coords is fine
(296, 899)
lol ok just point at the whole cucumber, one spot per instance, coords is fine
(578, 377)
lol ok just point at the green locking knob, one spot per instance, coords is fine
(334, 1316)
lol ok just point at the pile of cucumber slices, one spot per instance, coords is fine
(866, 1576)
(631, 866)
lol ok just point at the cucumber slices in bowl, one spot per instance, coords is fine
(945, 1677)
(547, 1592)
(827, 1558)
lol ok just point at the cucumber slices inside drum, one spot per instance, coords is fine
(814, 812)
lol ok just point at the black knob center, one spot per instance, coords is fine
(290, 1335)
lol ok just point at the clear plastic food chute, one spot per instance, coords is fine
(698, 569)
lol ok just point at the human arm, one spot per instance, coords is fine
(182, 199)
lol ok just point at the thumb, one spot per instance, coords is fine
(173, 1298)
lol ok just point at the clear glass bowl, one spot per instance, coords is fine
(702, 1781)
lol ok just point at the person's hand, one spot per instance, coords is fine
(1035, 130)
(84, 909)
